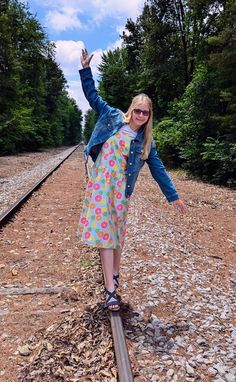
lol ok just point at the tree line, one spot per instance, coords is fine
(35, 108)
(183, 55)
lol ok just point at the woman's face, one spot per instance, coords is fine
(140, 114)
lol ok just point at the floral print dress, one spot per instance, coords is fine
(104, 213)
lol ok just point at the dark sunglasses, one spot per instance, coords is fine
(145, 113)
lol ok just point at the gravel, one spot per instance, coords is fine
(181, 299)
(12, 188)
(184, 328)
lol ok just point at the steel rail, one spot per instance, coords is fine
(8, 214)
(121, 353)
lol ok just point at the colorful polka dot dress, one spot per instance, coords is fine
(104, 213)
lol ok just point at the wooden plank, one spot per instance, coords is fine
(25, 290)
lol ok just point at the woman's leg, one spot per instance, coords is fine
(116, 262)
(116, 267)
(107, 260)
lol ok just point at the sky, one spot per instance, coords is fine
(74, 24)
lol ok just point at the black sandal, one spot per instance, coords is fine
(116, 280)
(115, 302)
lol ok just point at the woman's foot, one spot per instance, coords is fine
(112, 301)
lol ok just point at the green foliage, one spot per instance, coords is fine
(219, 160)
(194, 135)
(167, 136)
(90, 120)
(194, 111)
(161, 64)
(115, 84)
(31, 86)
(187, 65)
(181, 53)
(164, 46)
(72, 122)
(18, 133)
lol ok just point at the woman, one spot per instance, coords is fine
(119, 146)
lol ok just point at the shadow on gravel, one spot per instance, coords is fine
(151, 333)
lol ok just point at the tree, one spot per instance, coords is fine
(162, 75)
(90, 120)
(132, 47)
(114, 85)
(32, 85)
(167, 42)
(73, 127)
(220, 149)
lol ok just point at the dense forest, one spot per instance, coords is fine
(35, 108)
(183, 55)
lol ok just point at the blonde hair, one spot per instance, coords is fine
(148, 125)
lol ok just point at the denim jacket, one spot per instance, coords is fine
(110, 120)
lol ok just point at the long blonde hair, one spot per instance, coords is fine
(148, 125)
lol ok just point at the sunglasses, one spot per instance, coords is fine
(145, 113)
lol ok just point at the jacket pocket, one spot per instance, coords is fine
(106, 122)
(138, 161)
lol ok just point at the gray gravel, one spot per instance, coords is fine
(183, 328)
(12, 188)
(195, 340)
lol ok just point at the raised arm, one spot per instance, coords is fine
(88, 85)
(85, 58)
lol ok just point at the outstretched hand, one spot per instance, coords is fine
(180, 206)
(85, 58)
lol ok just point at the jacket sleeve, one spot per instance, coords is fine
(90, 92)
(161, 176)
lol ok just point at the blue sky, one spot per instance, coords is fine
(73, 24)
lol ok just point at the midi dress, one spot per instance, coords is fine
(104, 213)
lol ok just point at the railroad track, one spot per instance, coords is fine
(121, 353)
(6, 216)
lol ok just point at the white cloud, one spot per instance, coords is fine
(64, 14)
(66, 18)
(114, 45)
(68, 54)
(117, 9)
(75, 91)
(120, 29)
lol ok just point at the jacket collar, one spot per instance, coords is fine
(140, 134)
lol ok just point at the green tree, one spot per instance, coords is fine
(89, 123)
(219, 153)
(132, 47)
(72, 123)
(161, 69)
(114, 85)
(167, 42)
(199, 132)
(31, 85)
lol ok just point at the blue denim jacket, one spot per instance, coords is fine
(110, 120)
